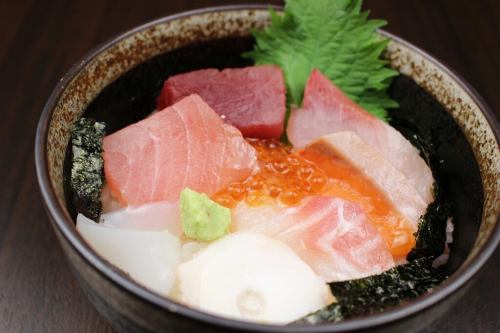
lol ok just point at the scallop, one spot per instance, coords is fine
(251, 277)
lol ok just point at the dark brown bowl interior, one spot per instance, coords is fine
(132, 96)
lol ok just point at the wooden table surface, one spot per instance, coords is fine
(40, 40)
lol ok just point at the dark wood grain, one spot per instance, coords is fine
(40, 40)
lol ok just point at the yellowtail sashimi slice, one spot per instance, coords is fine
(332, 235)
(349, 147)
(326, 109)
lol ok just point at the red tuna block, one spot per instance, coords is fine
(252, 99)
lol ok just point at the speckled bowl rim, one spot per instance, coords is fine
(60, 217)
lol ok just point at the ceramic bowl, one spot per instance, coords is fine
(117, 82)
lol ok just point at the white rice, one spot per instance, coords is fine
(443, 258)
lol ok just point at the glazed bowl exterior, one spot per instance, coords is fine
(132, 308)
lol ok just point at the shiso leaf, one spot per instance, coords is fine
(87, 176)
(375, 293)
(335, 37)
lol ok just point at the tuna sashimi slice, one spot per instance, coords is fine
(332, 235)
(251, 99)
(326, 109)
(348, 146)
(185, 145)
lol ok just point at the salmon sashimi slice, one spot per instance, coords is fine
(326, 109)
(185, 145)
(359, 173)
(332, 235)
(252, 99)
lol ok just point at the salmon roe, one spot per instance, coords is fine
(284, 176)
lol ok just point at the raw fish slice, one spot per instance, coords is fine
(348, 147)
(332, 235)
(251, 99)
(252, 277)
(326, 109)
(349, 182)
(150, 257)
(109, 202)
(154, 216)
(185, 145)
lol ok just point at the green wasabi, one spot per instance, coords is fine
(203, 219)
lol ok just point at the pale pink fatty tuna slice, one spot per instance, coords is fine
(185, 145)
(326, 109)
(251, 99)
(332, 235)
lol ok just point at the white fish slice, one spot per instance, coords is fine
(150, 257)
(155, 216)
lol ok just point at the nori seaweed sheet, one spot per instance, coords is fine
(87, 176)
(375, 293)
(459, 177)
(431, 234)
